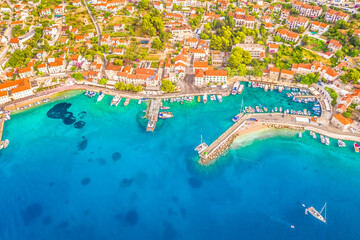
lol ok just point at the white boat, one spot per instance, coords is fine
(327, 141)
(115, 100)
(341, 143)
(317, 214)
(241, 89)
(266, 88)
(300, 135)
(212, 97)
(219, 97)
(127, 101)
(165, 115)
(139, 102)
(235, 88)
(200, 148)
(101, 96)
(322, 138)
(205, 98)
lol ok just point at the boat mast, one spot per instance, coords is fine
(324, 207)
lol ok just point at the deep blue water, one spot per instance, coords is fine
(112, 180)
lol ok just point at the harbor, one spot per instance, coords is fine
(262, 121)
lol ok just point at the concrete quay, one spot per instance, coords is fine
(266, 120)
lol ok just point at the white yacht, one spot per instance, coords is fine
(317, 214)
(101, 96)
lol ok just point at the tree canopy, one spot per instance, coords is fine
(238, 58)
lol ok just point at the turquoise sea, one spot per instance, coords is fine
(111, 179)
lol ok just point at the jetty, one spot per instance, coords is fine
(274, 120)
(153, 113)
(211, 152)
(3, 143)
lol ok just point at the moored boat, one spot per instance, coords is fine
(127, 101)
(199, 99)
(219, 97)
(165, 115)
(212, 97)
(241, 89)
(322, 138)
(300, 135)
(235, 88)
(164, 107)
(115, 101)
(202, 146)
(100, 97)
(356, 147)
(341, 143)
(205, 98)
(327, 141)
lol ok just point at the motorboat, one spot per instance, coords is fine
(341, 143)
(356, 147)
(219, 97)
(165, 115)
(327, 141)
(235, 89)
(205, 98)
(241, 89)
(115, 100)
(127, 101)
(322, 138)
(100, 97)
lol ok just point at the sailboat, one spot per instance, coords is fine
(202, 146)
(241, 114)
(317, 214)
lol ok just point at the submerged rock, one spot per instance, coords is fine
(69, 118)
(194, 182)
(83, 144)
(82, 115)
(131, 218)
(85, 181)
(126, 182)
(79, 124)
(116, 156)
(31, 212)
(58, 111)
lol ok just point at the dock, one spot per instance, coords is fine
(3, 143)
(152, 114)
(210, 153)
(274, 120)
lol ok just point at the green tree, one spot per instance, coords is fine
(144, 4)
(120, 86)
(103, 81)
(238, 57)
(339, 54)
(157, 44)
(77, 76)
(167, 86)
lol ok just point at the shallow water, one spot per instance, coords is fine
(112, 180)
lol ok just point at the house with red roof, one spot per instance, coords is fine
(334, 45)
(341, 122)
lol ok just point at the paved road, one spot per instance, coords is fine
(98, 30)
